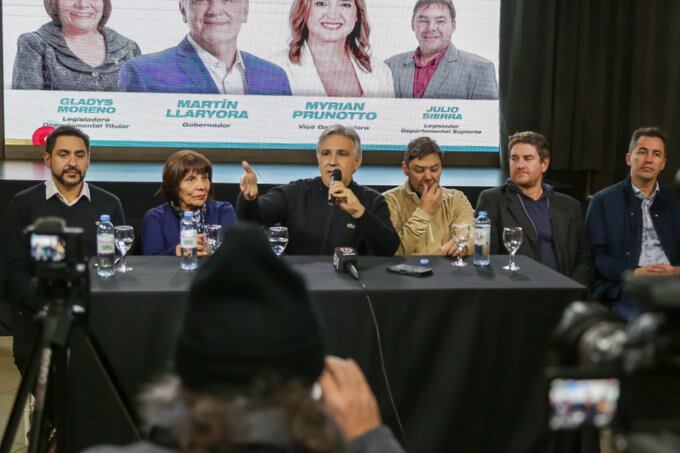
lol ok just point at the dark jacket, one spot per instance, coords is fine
(160, 228)
(180, 70)
(314, 227)
(614, 223)
(505, 210)
(45, 62)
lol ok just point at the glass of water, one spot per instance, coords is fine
(512, 239)
(124, 237)
(278, 239)
(460, 232)
(213, 237)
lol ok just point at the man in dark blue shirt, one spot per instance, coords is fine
(552, 223)
(634, 225)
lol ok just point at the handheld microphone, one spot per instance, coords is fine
(336, 175)
(345, 259)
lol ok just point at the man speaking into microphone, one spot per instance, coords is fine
(328, 211)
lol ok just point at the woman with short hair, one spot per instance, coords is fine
(73, 52)
(187, 186)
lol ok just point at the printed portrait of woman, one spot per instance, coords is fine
(74, 52)
(329, 51)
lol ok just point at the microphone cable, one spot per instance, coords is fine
(381, 356)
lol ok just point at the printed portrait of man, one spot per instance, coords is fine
(437, 69)
(208, 59)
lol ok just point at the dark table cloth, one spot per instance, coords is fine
(464, 348)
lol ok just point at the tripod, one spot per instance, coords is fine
(47, 366)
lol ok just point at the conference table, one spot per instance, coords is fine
(464, 348)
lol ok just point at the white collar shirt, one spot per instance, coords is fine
(651, 251)
(51, 190)
(304, 79)
(227, 82)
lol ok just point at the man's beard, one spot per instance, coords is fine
(60, 177)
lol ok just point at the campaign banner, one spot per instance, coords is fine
(253, 74)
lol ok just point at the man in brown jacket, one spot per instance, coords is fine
(421, 210)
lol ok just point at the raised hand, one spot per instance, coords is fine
(431, 199)
(349, 397)
(248, 182)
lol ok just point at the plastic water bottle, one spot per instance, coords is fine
(106, 248)
(188, 238)
(482, 239)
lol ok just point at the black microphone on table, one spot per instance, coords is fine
(345, 259)
(336, 175)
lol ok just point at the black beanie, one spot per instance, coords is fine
(249, 314)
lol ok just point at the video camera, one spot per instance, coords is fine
(610, 374)
(60, 287)
(613, 374)
(54, 246)
(58, 260)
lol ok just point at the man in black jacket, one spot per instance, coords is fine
(552, 223)
(359, 217)
(65, 195)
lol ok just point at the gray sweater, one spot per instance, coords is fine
(44, 62)
(267, 431)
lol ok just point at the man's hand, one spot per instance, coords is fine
(248, 182)
(348, 397)
(432, 199)
(451, 249)
(658, 270)
(346, 200)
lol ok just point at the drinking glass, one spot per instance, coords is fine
(213, 237)
(460, 233)
(512, 239)
(278, 239)
(124, 237)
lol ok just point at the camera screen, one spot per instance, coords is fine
(47, 248)
(582, 402)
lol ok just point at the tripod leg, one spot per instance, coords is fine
(27, 382)
(59, 394)
(35, 444)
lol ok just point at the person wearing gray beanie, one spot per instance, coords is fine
(249, 315)
(251, 371)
